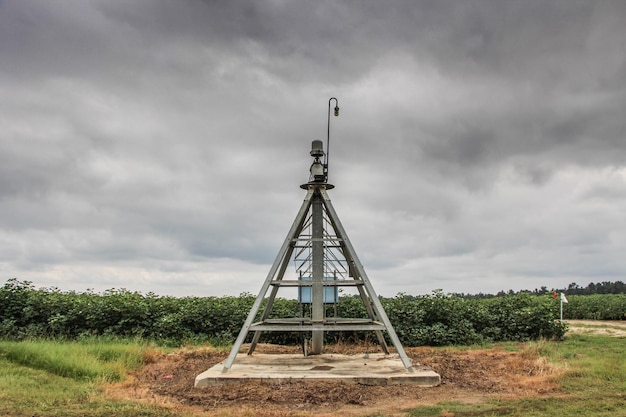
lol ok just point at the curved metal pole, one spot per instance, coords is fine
(328, 134)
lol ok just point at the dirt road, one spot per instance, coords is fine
(615, 328)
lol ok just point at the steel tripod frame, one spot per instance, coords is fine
(378, 319)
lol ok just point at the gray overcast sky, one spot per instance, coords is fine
(159, 145)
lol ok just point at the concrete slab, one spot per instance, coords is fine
(370, 369)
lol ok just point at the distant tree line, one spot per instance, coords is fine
(606, 287)
(617, 287)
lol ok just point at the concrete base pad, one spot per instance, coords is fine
(370, 369)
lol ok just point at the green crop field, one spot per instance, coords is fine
(436, 319)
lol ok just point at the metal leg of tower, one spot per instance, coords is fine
(295, 227)
(317, 290)
(377, 306)
(272, 297)
(370, 312)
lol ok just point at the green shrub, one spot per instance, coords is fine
(595, 307)
(435, 319)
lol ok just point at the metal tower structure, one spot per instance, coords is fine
(325, 260)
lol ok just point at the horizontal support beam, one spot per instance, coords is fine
(308, 246)
(307, 283)
(296, 324)
(314, 327)
(317, 239)
(307, 320)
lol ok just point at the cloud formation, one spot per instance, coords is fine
(159, 146)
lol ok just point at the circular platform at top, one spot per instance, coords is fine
(313, 183)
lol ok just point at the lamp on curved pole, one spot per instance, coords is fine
(328, 135)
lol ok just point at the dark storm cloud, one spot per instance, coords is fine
(167, 139)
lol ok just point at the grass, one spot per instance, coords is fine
(65, 379)
(597, 365)
(593, 384)
(50, 378)
(94, 360)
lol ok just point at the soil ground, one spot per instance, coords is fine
(615, 328)
(468, 376)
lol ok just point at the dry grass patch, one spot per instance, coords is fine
(468, 376)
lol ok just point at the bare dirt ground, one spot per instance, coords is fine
(467, 376)
(615, 328)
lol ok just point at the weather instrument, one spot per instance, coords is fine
(324, 261)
